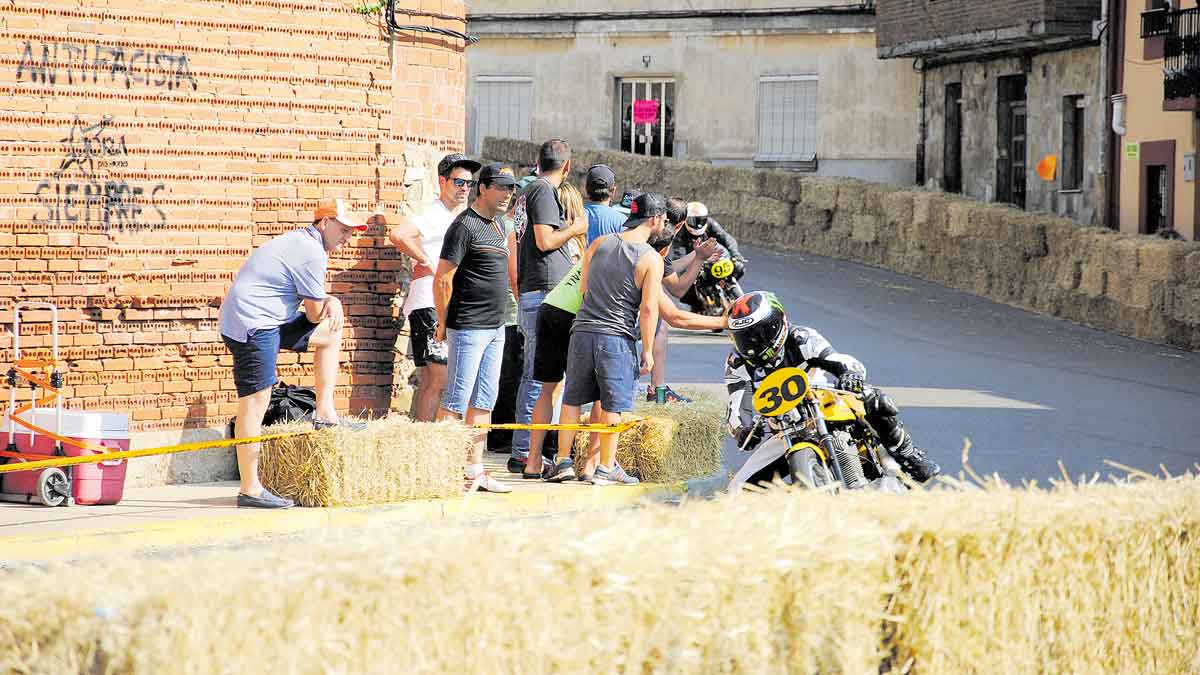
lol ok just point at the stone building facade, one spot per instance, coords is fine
(1006, 88)
(791, 85)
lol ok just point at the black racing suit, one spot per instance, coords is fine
(807, 349)
(684, 243)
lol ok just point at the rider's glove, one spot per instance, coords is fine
(851, 382)
(739, 268)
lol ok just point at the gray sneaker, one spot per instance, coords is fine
(614, 476)
(564, 470)
(265, 500)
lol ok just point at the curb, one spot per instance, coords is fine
(214, 530)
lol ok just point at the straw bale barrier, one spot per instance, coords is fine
(675, 442)
(1102, 578)
(391, 460)
(757, 587)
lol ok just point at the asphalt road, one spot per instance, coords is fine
(1026, 389)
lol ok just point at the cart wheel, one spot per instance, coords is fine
(53, 488)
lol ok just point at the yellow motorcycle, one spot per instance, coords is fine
(815, 436)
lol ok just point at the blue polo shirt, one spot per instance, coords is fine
(271, 286)
(603, 219)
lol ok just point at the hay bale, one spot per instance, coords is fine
(1092, 579)
(675, 442)
(391, 460)
(1099, 578)
(768, 585)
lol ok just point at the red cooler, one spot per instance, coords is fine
(97, 483)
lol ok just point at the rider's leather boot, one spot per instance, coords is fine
(913, 460)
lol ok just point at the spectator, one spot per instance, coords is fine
(543, 260)
(278, 301)
(420, 238)
(600, 184)
(676, 283)
(621, 282)
(469, 292)
(500, 440)
(555, 319)
(574, 213)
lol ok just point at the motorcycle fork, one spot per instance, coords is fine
(826, 441)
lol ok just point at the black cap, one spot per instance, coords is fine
(600, 176)
(454, 160)
(497, 174)
(646, 205)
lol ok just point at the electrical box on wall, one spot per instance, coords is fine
(1189, 167)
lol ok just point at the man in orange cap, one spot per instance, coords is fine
(278, 301)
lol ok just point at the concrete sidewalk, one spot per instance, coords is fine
(181, 516)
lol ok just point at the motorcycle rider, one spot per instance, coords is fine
(765, 341)
(697, 227)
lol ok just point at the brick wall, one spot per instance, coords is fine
(147, 148)
(901, 21)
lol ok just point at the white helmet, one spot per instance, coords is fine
(697, 219)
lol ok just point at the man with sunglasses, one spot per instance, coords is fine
(419, 236)
(470, 290)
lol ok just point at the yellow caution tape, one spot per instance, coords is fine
(147, 452)
(596, 428)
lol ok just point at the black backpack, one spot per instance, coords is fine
(289, 403)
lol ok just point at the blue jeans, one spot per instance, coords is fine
(473, 369)
(529, 390)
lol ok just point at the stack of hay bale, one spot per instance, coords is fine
(391, 460)
(673, 442)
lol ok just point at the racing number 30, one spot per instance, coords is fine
(781, 391)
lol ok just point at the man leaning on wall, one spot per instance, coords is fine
(420, 236)
(278, 301)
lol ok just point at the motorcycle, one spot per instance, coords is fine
(818, 438)
(716, 287)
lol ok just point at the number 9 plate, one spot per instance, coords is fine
(781, 391)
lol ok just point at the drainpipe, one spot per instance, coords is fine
(1118, 116)
(923, 131)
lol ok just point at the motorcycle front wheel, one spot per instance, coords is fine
(808, 470)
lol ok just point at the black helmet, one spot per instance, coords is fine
(758, 327)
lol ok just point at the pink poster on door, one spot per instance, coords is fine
(645, 111)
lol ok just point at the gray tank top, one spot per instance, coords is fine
(613, 297)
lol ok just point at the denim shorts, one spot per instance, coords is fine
(254, 360)
(601, 368)
(473, 368)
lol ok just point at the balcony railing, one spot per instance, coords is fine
(1156, 22)
(1181, 67)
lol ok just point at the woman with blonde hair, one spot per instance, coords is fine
(573, 212)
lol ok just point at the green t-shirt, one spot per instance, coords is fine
(568, 294)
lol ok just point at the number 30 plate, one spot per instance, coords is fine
(781, 391)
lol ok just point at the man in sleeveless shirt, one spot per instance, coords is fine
(622, 282)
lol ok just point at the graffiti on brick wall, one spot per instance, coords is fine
(94, 63)
(82, 191)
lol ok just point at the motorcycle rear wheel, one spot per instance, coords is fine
(808, 470)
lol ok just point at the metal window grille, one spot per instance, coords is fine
(788, 122)
(503, 108)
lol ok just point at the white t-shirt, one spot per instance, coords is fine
(432, 222)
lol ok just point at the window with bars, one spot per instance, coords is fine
(1072, 150)
(788, 122)
(503, 108)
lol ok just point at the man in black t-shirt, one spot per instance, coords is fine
(542, 261)
(470, 290)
